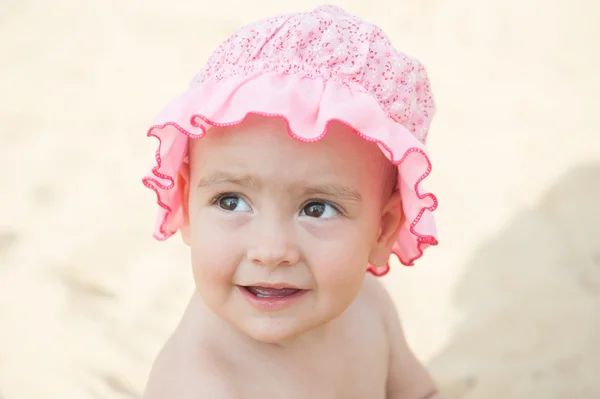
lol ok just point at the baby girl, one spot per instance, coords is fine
(292, 168)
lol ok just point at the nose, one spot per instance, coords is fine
(274, 246)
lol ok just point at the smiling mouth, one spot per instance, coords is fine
(270, 292)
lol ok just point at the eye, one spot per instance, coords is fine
(320, 210)
(232, 203)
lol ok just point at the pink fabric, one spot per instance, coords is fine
(309, 69)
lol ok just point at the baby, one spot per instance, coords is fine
(292, 167)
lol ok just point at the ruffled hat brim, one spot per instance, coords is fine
(307, 105)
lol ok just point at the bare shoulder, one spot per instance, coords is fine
(407, 377)
(175, 374)
(188, 366)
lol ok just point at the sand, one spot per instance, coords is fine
(508, 306)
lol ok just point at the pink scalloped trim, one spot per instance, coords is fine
(423, 241)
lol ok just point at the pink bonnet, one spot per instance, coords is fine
(309, 68)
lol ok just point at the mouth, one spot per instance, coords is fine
(271, 292)
(272, 298)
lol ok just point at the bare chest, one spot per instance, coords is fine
(355, 367)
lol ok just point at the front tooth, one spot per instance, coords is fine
(267, 296)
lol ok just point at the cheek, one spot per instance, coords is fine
(338, 284)
(338, 255)
(215, 250)
(340, 242)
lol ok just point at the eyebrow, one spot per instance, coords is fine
(334, 190)
(223, 178)
(331, 190)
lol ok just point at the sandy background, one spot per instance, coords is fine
(508, 306)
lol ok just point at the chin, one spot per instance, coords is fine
(274, 331)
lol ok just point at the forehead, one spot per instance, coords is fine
(263, 146)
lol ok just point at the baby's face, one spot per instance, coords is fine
(281, 232)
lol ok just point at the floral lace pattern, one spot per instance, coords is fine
(331, 44)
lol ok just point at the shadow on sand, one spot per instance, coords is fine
(530, 301)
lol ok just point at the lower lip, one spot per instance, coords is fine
(272, 304)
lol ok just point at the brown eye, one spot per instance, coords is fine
(314, 209)
(232, 203)
(228, 203)
(320, 210)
